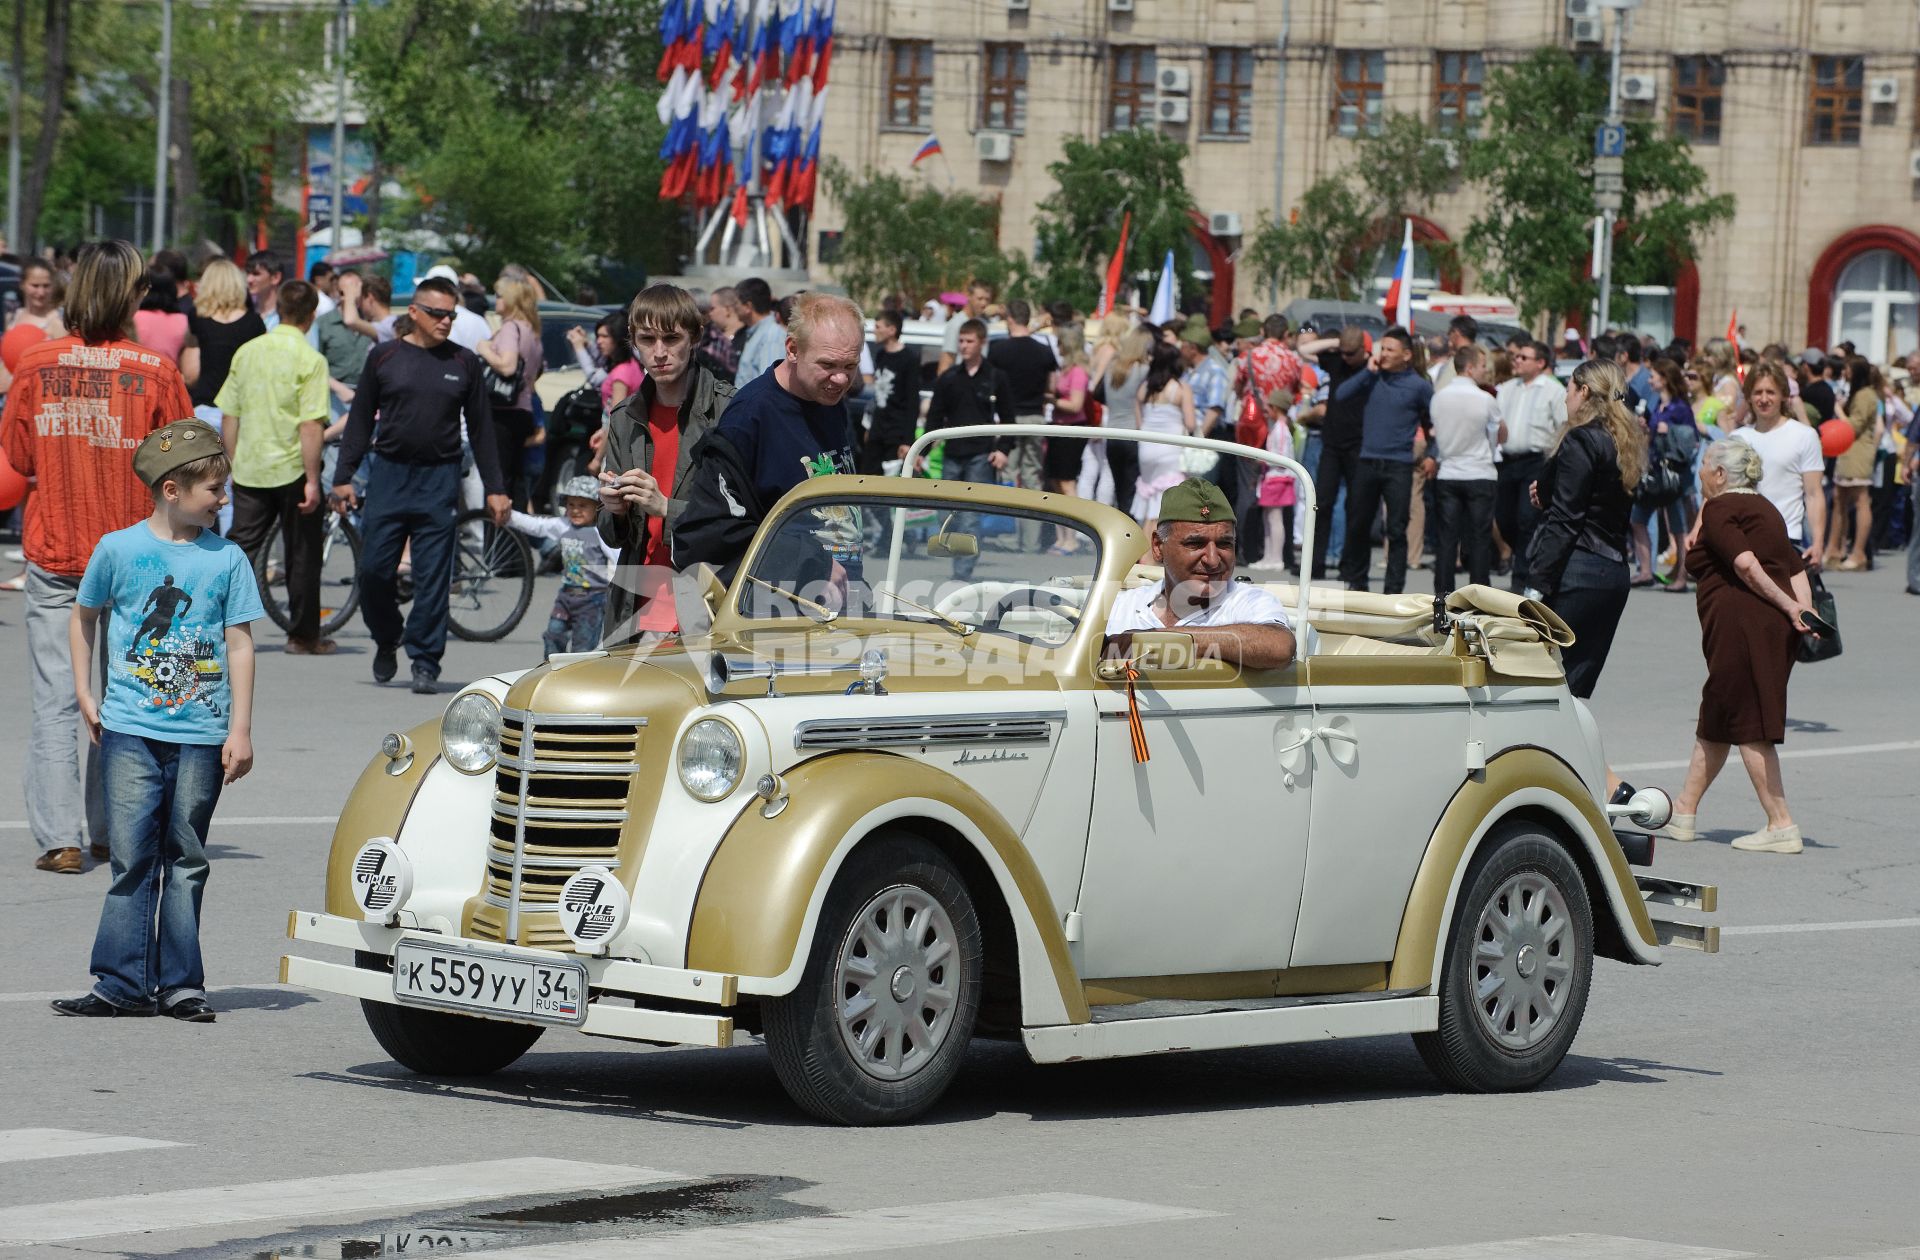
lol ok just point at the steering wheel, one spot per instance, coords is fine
(1036, 597)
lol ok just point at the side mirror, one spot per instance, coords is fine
(944, 545)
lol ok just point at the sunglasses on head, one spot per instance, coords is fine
(435, 313)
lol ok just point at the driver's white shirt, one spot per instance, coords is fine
(1243, 604)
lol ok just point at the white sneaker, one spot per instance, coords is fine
(1680, 827)
(16, 554)
(1771, 840)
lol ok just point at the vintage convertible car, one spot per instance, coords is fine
(893, 798)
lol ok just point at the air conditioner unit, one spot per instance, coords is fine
(1583, 8)
(1883, 91)
(993, 146)
(1170, 109)
(1119, 6)
(1174, 80)
(1020, 6)
(1584, 30)
(1913, 164)
(1223, 223)
(1636, 87)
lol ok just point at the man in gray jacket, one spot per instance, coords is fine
(650, 441)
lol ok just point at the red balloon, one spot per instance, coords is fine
(20, 338)
(1836, 438)
(13, 486)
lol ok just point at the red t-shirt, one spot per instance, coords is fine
(74, 416)
(656, 590)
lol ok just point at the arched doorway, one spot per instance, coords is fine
(1866, 289)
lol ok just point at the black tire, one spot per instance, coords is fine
(440, 1043)
(339, 577)
(1523, 918)
(896, 879)
(492, 578)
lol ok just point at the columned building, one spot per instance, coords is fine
(1804, 110)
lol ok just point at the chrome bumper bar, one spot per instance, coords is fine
(1664, 895)
(606, 977)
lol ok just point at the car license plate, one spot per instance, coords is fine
(519, 986)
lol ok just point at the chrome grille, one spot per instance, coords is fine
(559, 803)
(964, 728)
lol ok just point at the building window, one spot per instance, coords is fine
(1229, 91)
(910, 83)
(1003, 87)
(1130, 89)
(1699, 83)
(1358, 85)
(1456, 92)
(1834, 95)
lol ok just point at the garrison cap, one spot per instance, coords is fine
(1196, 333)
(1196, 499)
(173, 445)
(1248, 327)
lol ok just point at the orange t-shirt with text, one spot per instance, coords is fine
(74, 416)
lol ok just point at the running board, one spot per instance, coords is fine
(1226, 1026)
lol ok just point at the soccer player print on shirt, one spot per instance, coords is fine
(175, 666)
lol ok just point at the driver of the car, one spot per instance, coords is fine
(1194, 541)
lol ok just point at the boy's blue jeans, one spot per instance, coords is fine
(160, 799)
(574, 624)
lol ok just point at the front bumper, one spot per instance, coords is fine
(607, 978)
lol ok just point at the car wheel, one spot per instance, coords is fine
(876, 1028)
(439, 1043)
(1518, 966)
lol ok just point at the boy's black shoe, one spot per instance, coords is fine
(191, 1010)
(93, 1006)
(424, 682)
(385, 661)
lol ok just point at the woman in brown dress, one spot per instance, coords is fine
(1752, 594)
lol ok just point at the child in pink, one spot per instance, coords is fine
(1277, 493)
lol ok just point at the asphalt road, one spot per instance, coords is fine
(1759, 1102)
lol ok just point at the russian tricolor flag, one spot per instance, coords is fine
(1398, 308)
(927, 150)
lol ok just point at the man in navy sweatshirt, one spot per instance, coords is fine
(1396, 399)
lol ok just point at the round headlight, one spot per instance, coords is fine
(470, 733)
(711, 759)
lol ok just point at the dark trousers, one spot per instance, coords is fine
(1514, 512)
(1249, 522)
(1590, 598)
(511, 429)
(1466, 520)
(1379, 480)
(1338, 468)
(255, 514)
(1124, 459)
(405, 502)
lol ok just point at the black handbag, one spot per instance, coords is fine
(1661, 485)
(502, 390)
(1822, 647)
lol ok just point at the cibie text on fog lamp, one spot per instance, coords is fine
(593, 908)
(470, 733)
(382, 879)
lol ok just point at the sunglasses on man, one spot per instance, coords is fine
(438, 314)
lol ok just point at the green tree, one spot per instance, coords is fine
(1327, 246)
(1096, 183)
(1536, 165)
(902, 235)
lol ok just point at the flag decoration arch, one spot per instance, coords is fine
(743, 96)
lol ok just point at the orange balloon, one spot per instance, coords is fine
(20, 338)
(1836, 438)
(13, 486)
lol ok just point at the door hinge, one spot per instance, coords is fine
(1073, 926)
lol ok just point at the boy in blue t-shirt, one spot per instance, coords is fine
(175, 724)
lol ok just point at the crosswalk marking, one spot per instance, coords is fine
(879, 1229)
(1850, 750)
(24, 1144)
(1561, 1247)
(354, 1194)
(1839, 925)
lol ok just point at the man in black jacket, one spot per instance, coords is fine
(972, 391)
(896, 395)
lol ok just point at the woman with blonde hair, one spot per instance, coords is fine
(1125, 372)
(1578, 559)
(1754, 599)
(515, 355)
(222, 321)
(1853, 471)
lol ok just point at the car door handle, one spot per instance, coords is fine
(1322, 732)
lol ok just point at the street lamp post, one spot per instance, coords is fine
(338, 215)
(14, 91)
(163, 121)
(1609, 183)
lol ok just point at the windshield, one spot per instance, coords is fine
(1023, 575)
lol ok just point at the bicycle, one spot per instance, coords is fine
(493, 575)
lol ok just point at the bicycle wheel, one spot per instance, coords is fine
(339, 576)
(492, 578)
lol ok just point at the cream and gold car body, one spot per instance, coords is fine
(1284, 865)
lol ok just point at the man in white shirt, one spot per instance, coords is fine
(766, 344)
(1791, 461)
(1534, 406)
(1466, 434)
(979, 295)
(1234, 622)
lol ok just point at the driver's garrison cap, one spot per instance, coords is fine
(1196, 499)
(173, 445)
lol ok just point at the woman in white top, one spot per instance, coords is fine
(1166, 406)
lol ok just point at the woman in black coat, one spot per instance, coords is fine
(1578, 562)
